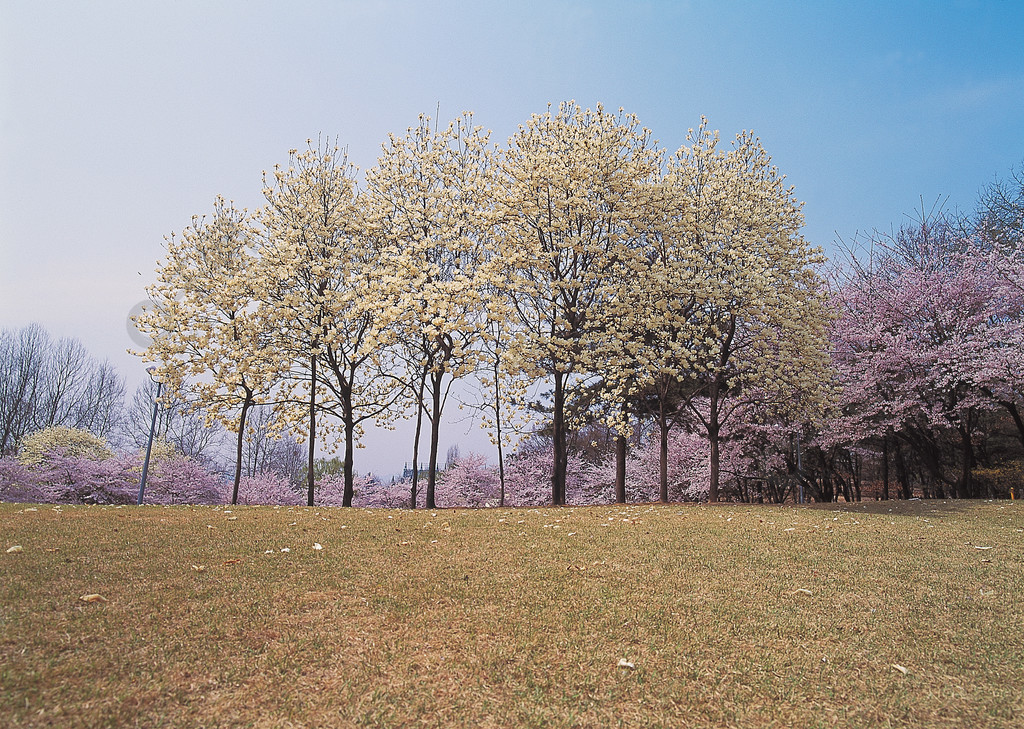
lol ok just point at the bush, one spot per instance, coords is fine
(18, 484)
(76, 479)
(70, 442)
(267, 488)
(177, 479)
(65, 479)
(996, 482)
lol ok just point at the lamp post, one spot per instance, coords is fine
(152, 430)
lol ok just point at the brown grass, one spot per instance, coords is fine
(745, 616)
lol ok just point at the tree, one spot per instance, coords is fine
(23, 358)
(763, 316)
(209, 334)
(999, 219)
(571, 182)
(323, 299)
(470, 481)
(69, 441)
(428, 198)
(46, 383)
(501, 394)
(654, 333)
(929, 340)
(178, 423)
(267, 449)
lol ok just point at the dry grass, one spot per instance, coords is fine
(738, 616)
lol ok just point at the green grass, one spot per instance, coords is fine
(733, 615)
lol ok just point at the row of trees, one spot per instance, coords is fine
(46, 382)
(49, 385)
(928, 356)
(579, 260)
(644, 318)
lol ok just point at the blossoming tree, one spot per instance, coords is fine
(321, 274)
(570, 183)
(208, 330)
(427, 199)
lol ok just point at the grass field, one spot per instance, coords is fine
(883, 614)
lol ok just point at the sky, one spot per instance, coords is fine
(119, 121)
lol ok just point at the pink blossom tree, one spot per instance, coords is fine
(471, 481)
(925, 346)
(268, 488)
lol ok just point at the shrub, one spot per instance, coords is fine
(268, 488)
(76, 479)
(18, 483)
(177, 479)
(65, 479)
(70, 442)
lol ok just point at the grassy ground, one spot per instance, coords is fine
(887, 614)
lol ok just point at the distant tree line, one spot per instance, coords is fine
(628, 324)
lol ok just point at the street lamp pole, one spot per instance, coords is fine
(152, 430)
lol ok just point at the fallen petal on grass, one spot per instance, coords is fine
(317, 546)
(623, 663)
(15, 549)
(199, 567)
(900, 668)
(93, 597)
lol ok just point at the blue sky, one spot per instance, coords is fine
(120, 120)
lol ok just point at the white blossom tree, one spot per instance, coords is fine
(208, 329)
(762, 314)
(571, 182)
(322, 289)
(427, 198)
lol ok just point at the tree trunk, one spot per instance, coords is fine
(246, 404)
(310, 476)
(858, 473)
(1015, 414)
(350, 445)
(901, 472)
(885, 467)
(416, 439)
(435, 436)
(966, 490)
(561, 460)
(501, 450)
(713, 438)
(620, 469)
(663, 455)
